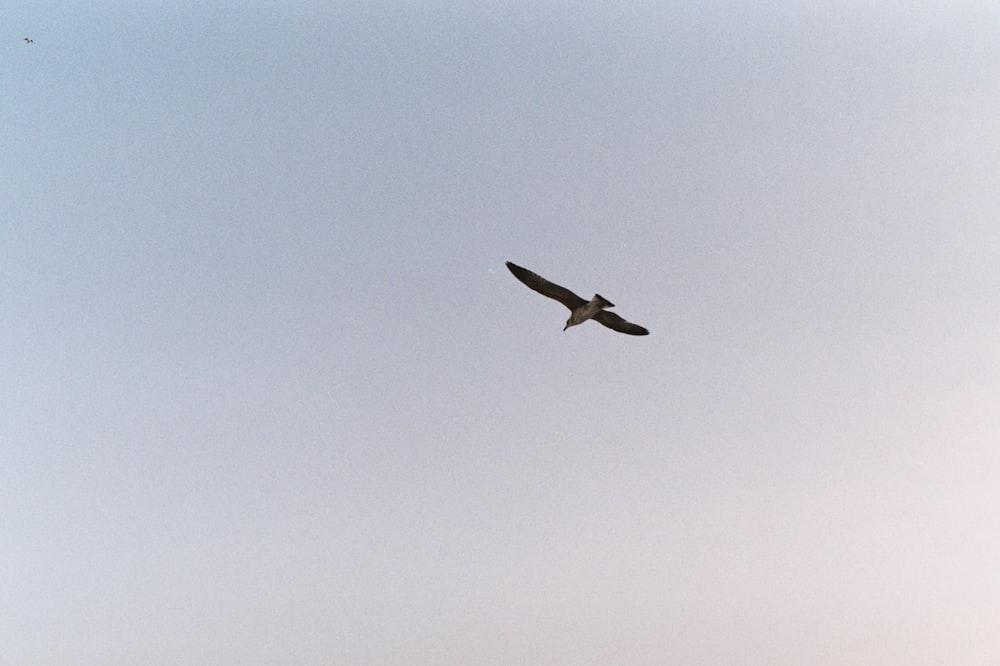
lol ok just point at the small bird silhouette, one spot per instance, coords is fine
(581, 309)
(28, 41)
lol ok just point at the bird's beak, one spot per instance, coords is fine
(565, 327)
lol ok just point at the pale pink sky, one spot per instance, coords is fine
(270, 396)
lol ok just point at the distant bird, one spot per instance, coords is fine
(28, 41)
(581, 310)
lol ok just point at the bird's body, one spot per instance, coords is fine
(588, 310)
(580, 309)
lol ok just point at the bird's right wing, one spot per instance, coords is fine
(546, 288)
(614, 322)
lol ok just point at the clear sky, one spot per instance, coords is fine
(269, 395)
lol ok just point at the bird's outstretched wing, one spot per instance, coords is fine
(613, 321)
(546, 288)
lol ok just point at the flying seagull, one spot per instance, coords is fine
(28, 41)
(581, 309)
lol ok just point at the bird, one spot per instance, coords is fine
(580, 309)
(28, 41)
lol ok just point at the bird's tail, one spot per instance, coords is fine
(605, 303)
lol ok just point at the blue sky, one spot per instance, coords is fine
(270, 395)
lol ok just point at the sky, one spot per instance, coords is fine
(270, 396)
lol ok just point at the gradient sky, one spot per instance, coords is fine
(269, 395)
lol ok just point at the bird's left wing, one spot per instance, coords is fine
(546, 288)
(613, 321)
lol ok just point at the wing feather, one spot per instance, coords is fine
(546, 288)
(613, 321)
